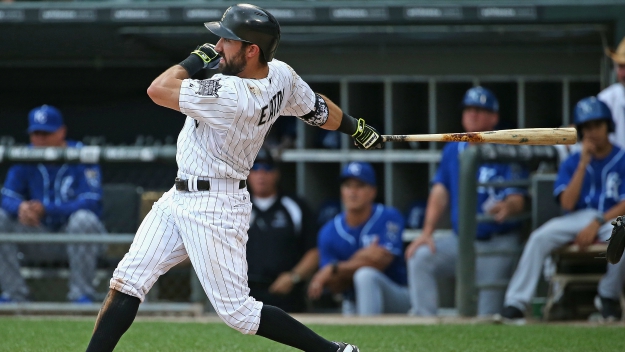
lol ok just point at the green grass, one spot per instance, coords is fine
(29, 334)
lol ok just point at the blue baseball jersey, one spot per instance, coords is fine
(338, 241)
(448, 175)
(61, 188)
(603, 185)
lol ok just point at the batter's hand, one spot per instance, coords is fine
(283, 284)
(208, 54)
(367, 137)
(587, 235)
(418, 242)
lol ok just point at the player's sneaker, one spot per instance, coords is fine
(610, 308)
(510, 315)
(346, 347)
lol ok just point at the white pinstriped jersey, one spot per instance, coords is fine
(229, 117)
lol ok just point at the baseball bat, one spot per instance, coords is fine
(527, 136)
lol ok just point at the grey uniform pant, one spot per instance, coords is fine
(82, 257)
(551, 235)
(376, 294)
(424, 267)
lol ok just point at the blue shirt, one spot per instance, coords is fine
(61, 188)
(338, 241)
(603, 185)
(448, 175)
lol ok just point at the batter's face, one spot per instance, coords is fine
(476, 119)
(233, 60)
(620, 72)
(263, 182)
(48, 139)
(596, 132)
(357, 195)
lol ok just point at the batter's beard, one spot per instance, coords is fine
(234, 65)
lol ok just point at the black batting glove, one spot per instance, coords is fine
(367, 137)
(208, 54)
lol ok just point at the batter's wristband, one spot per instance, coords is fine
(193, 64)
(349, 125)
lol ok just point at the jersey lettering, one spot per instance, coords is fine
(273, 106)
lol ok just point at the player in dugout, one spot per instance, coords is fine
(282, 245)
(43, 198)
(590, 187)
(361, 250)
(430, 258)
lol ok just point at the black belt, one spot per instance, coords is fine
(202, 185)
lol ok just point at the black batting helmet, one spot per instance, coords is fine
(251, 24)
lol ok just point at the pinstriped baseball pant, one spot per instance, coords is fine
(209, 228)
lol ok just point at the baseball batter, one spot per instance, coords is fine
(205, 216)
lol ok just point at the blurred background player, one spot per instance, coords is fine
(361, 250)
(614, 95)
(282, 245)
(41, 198)
(431, 258)
(590, 187)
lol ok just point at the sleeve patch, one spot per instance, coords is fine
(207, 87)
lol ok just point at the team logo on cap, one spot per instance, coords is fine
(354, 168)
(41, 116)
(483, 99)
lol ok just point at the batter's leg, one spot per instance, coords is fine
(215, 241)
(156, 248)
(551, 235)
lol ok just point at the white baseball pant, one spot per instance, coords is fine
(208, 227)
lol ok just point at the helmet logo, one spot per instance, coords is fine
(483, 99)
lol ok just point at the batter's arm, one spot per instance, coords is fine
(335, 115)
(165, 89)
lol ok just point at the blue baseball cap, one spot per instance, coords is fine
(44, 118)
(359, 170)
(482, 98)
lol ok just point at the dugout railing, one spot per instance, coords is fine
(470, 160)
(121, 218)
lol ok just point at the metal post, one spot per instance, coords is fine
(466, 293)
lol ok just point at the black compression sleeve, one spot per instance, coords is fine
(192, 64)
(116, 315)
(278, 326)
(348, 125)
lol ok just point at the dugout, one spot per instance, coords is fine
(401, 65)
